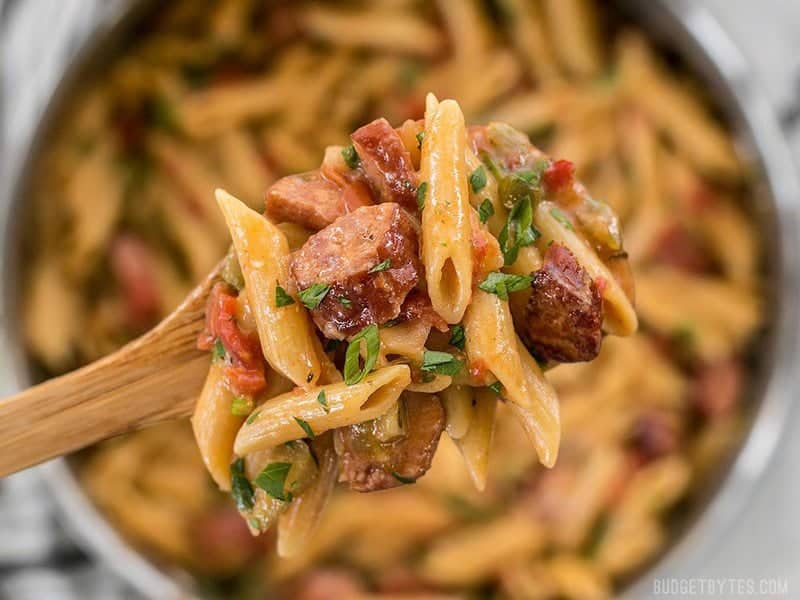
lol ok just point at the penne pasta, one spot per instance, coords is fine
(285, 332)
(276, 421)
(447, 253)
(215, 427)
(493, 345)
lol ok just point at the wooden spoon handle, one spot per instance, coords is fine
(154, 378)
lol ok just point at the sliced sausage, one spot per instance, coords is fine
(311, 200)
(133, 266)
(417, 306)
(677, 247)
(563, 318)
(369, 465)
(655, 434)
(387, 163)
(328, 584)
(717, 387)
(223, 540)
(370, 260)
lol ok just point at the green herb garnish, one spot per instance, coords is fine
(559, 216)
(381, 266)
(478, 179)
(496, 387)
(518, 231)
(442, 363)
(241, 490)
(485, 210)
(252, 417)
(282, 298)
(218, 350)
(323, 401)
(353, 373)
(305, 427)
(344, 301)
(273, 480)
(241, 406)
(313, 295)
(421, 191)
(350, 156)
(420, 139)
(457, 337)
(503, 283)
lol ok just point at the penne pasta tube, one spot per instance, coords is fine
(476, 443)
(285, 332)
(278, 419)
(492, 344)
(457, 401)
(300, 521)
(446, 229)
(620, 316)
(215, 427)
(475, 554)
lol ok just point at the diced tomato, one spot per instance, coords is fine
(559, 175)
(246, 371)
(133, 266)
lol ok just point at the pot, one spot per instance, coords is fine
(683, 27)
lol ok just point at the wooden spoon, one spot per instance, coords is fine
(154, 378)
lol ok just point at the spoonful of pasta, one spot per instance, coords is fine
(419, 277)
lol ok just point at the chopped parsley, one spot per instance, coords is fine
(403, 480)
(381, 266)
(282, 298)
(518, 231)
(485, 210)
(241, 406)
(478, 179)
(442, 363)
(420, 139)
(559, 216)
(218, 350)
(273, 480)
(241, 490)
(350, 156)
(457, 337)
(503, 283)
(421, 191)
(344, 301)
(252, 417)
(518, 192)
(496, 387)
(313, 295)
(353, 372)
(323, 401)
(305, 427)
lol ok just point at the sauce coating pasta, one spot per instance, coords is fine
(238, 93)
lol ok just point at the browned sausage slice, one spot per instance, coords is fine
(387, 163)
(370, 260)
(310, 200)
(369, 465)
(563, 318)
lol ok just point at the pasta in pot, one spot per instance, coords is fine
(358, 274)
(207, 97)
